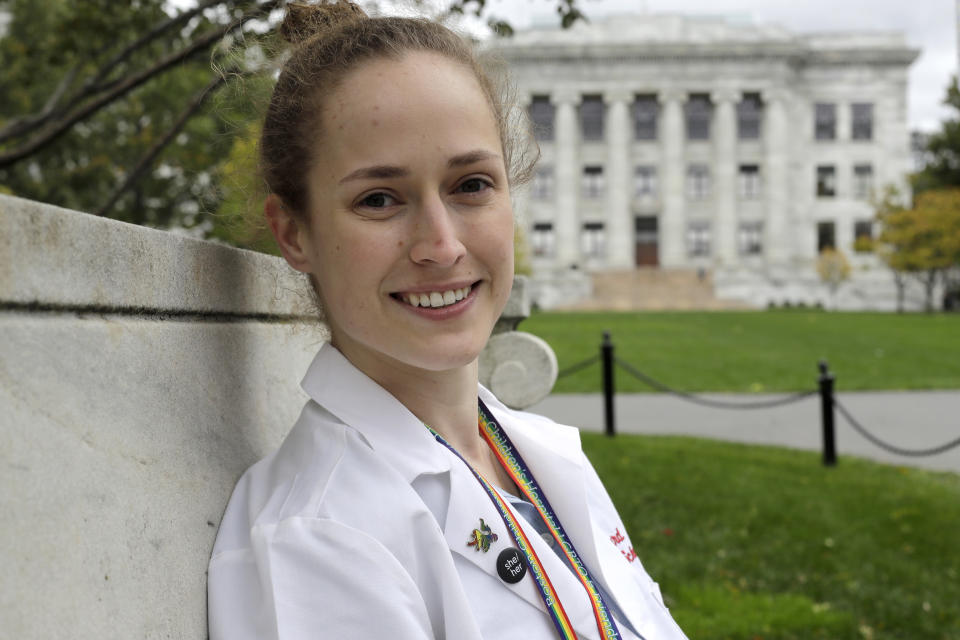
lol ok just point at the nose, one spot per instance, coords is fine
(436, 235)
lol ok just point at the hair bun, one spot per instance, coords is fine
(304, 21)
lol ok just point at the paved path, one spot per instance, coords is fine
(910, 420)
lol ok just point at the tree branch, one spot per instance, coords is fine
(135, 174)
(45, 137)
(22, 125)
(92, 85)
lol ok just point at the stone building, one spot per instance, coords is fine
(711, 145)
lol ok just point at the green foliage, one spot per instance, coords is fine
(943, 149)
(758, 350)
(758, 542)
(521, 252)
(61, 47)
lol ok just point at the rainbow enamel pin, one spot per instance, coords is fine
(481, 538)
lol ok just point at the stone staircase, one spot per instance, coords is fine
(653, 289)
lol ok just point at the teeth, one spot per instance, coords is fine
(436, 299)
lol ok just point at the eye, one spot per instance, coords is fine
(377, 200)
(474, 185)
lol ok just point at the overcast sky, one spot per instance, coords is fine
(929, 25)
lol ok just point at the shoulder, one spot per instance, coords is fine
(324, 470)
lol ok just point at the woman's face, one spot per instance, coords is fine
(411, 226)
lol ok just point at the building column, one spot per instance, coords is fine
(619, 228)
(776, 241)
(567, 177)
(672, 223)
(725, 166)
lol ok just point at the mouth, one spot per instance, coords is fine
(435, 299)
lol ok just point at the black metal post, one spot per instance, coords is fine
(606, 354)
(826, 412)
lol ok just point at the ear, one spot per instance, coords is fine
(290, 234)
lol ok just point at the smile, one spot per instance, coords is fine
(435, 299)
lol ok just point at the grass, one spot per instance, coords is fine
(764, 543)
(759, 351)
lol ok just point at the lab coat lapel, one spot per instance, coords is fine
(384, 422)
(556, 461)
(469, 503)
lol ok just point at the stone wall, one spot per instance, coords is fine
(140, 373)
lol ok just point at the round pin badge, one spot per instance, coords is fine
(511, 566)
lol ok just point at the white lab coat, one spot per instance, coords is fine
(357, 527)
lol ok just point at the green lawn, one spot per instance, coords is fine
(756, 542)
(759, 351)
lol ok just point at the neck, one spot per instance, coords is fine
(444, 400)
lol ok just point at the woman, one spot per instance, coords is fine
(387, 512)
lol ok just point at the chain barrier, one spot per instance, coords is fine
(583, 364)
(828, 401)
(889, 447)
(707, 402)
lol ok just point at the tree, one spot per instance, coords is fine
(833, 268)
(118, 106)
(890, 203)
(942, 155)
(95, 93)
(924, 241)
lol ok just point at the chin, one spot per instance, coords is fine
(439, 357)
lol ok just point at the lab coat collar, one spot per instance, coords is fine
(551, 451)
(382, 420)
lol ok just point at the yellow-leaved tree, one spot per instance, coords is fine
(833, 268)
(924, 241)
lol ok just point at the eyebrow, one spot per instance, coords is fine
(386, 171)
(471, 157)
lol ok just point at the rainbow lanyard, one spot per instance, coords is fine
(513, 463)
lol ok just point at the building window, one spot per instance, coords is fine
(825, 117)
(593, 240)
(750, 238)
(541, 115)
(697, 112)
(591, 118)
(863, 236)
(542, 186)
(862, 181)
(698, 238)
(646, 109)
(698, 182)
(645, 182)
(542, 239)
(749, 116)
(749, 181)
(862, 121)
(591, 184)
(826, 181)
(826, 236)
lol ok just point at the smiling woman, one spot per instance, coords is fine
(407, 501)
